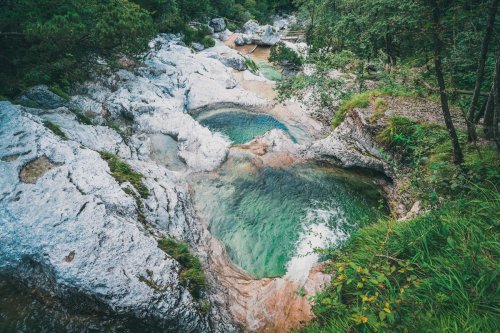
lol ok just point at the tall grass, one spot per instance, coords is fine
(438, 272)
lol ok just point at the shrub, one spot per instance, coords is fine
(251, 65)
(208, 42)
(355, 101)
(436, 273)
(191, 274)
(82, 119)
(284, 56)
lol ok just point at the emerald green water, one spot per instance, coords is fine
(238, 125)
(271, 219)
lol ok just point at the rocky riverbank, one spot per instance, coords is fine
(73, 230)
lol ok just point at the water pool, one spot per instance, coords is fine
(270, 219)
(238, 125)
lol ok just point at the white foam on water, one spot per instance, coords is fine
(321, 227)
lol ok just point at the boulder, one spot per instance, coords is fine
(268, 36)
(247, 39)
(239, 40)
(218, 24)
(251, 26)
(69, 228)
(197, 47)
(280, 24)
(41, 97)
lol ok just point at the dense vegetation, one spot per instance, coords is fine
(414, 43)
(58, 42)
(437, 272)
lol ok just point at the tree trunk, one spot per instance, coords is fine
(489, 111)
(496, 112)
(480, 71)
(488, 102)
(457, 151)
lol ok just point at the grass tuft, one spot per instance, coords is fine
(356, 101)
(191, 274)
(55, 129)
(122, 172)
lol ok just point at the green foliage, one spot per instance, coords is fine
(436, 273)
(284, 56)
(191, 273)
(83, 119)
(326, 89)
(355, 101)
(123, 172)
(208, 42)
(427, 150)
(198, 34)
(54, 43)
(392, 31)
(55, 129)
(60, 92)
(251, 65)
(369, 296)
(57, 43)
(342, 60)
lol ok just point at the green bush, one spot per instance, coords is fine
(355, 101)
(284, 56)
(208, 42)
(123, 172)
(191, 274)
(58, 44)
(251, 65)
(82, 119)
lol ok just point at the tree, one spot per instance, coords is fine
(438, 45)
(56, 42)
(480, 71)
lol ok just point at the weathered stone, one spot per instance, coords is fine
(197, 47)
(218, 24)
(34, 169)
(76, 226)
(239, 41)
(41, 97)
(251, 27)
(268, 36)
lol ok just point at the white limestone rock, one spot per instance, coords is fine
(74, 231)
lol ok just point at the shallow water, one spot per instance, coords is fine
(270, 219)
(238, 125)
(260, 56)
(164, 150)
